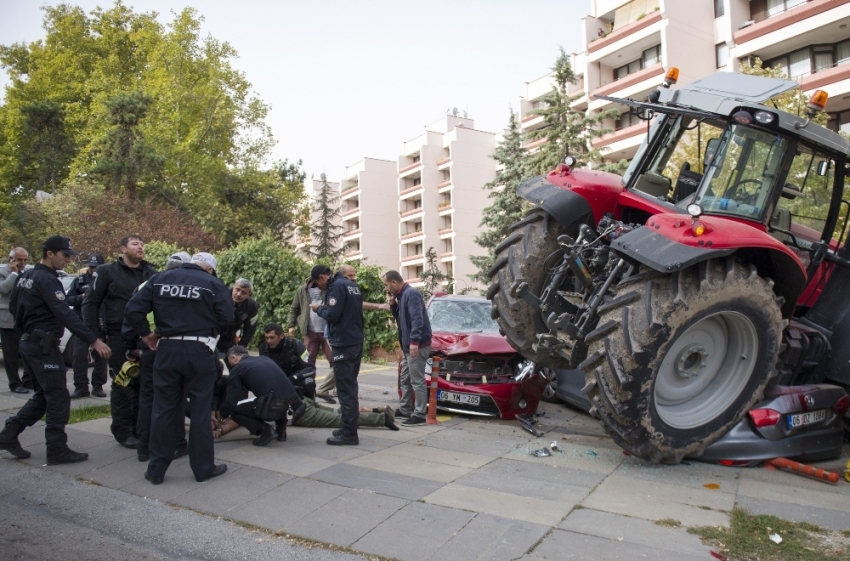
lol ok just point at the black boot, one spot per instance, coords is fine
(280, 430)
(9, 440)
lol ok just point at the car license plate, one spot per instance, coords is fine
(459, 398)
(803, 419)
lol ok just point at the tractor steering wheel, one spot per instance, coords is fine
(742, 195)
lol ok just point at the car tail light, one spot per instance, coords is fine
(734, 463)
(764, 417)
(842, 406)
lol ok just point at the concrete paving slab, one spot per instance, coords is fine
(594, 459)
(823, 517)
(387, 461)
(347, 518)
(222, 494)
(783, 478)
(117, 474)
(654, 501)
(12, 401)
(284, 461)
(356, 477)
(286, 504)
(828, 496)
(503, 428)
(472, 442)
(179, 479)
(420, 451)
(82, 441)
(99, 457)
(335, 454)
(570, 486)
(415, 532)
(529, 509)
(97, 426)
(561, 544)
(692, 474)
(491, 538)
(633, 530)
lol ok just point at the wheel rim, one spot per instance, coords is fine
(705, 370)
(549, 391)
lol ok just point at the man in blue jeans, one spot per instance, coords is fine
(414, 334)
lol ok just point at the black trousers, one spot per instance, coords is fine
(81, 366)
(245, 416)
(182, 369)
(11, 341)
(123, 400)
(51, 398)
(346, 368)
(143, 422)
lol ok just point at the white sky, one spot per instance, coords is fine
(348, 79)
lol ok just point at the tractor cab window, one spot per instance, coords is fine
(806, 196)
(740, 176)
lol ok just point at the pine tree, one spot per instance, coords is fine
(46, 148)
(325, 231)
(567, 132)
(506, 207)
(432, 277)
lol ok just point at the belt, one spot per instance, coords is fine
(210, 342)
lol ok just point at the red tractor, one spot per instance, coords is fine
(712, 268)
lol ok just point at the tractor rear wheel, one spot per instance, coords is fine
(691, 353)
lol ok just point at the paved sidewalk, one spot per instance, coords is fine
(466, 489)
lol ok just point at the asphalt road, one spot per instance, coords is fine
(46, 516)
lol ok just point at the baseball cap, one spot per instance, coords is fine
(319, 270)
(204, 257)
(180, 257)
(59, 243)
(94, 260)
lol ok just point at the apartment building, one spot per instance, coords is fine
(369, 211)
(441, 174)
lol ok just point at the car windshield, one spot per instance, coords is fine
(461, 316)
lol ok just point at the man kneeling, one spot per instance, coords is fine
(275, 395)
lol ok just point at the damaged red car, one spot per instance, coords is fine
(480, 373)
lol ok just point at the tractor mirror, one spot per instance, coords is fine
(710, 149)
(791, 191)
(823, 167)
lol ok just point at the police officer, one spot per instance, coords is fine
(246, 315)
(75, 296)
(41, 314)
(343, 310)
(262, 377)
(290, 355)
(190, 307)
(112, 287)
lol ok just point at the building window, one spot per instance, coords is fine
(775, 7)
(417, 249)
(627, 119)
(417, 227)
(839, 122)
(812, 59)
(649, 57)
(417, 181)
(719, 8)
(722, 54)
(417, 203)
(419, 271)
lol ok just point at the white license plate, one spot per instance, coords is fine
(803, 419)
(459, 398)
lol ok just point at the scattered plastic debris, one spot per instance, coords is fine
(386, 391)
(528, 425)
(847, 471)
(712, 486)
(555, 446)
(775, 538)
(626, 453)
(542, 453)
(590, 454)
(718, 556)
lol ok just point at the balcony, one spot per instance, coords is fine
(410, 191)
(354, 254)
(412, 235)
(410, 258)
(624, 32)
(447, 256)
(532, 145)
(350, 212)
(531, 122)
(349, 190)
(351, 234)
(409, 170)
(446, 233)
(790, 21)
(443, 163)
(825, 78)
(630, 80)
(619, 136)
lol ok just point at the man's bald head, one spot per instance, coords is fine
(348, 272)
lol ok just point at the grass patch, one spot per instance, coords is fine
(88, 413)
(747, 539)
(668, 523)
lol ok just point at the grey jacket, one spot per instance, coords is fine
(7, 283)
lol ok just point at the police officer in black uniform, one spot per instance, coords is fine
(112, 287)
(246, 313)
(190, 308)
(262, 377)
(290, 355)
(343, 310)
(41, 314)
(74, 298)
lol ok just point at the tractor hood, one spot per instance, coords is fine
(451, 344)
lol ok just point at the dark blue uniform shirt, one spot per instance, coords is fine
(38, 302)
(258, 375)
(184, 301)
(343, 310)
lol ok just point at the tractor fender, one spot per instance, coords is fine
(667, 244)
(567, 208)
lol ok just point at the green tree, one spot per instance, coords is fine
(325, 231)
(506, 207)
(125, 158)
(567, 132)
(46, 149)
(432, 277)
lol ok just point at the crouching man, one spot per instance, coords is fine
(275, 395)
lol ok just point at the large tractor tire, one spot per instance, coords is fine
(521, 257)
(687, 355)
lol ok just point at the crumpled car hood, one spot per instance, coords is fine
(464, 343)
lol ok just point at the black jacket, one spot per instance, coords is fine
(289, 355)
(258, 375)
(245, 317)
(38, 302)
(343, 310)
(112, 287)
(184, 301)
(77, 290)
